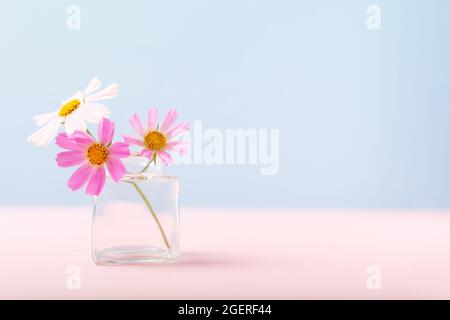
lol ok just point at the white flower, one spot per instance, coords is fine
(74, 113)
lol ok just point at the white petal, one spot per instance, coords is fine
(45, 135)
(109, 92)
(93, 112)
(42, 119)
(74, 122)
(95, 84)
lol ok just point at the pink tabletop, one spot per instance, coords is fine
(237, 254)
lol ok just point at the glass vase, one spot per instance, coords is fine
(137, 221)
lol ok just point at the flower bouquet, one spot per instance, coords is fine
(136, 211)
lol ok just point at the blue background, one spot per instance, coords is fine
(363, 115)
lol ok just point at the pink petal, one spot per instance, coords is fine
(136, 122)
(96, 181)
(106, 131)
(82, 138)
(133, 141)
(63, 141)
(70, 158)
(182, 127)
(165, 157)
(116, 169)
(170, 118)
(119, 150)
(147, 153)
(80, 177)
(178, 146)
(152, 118)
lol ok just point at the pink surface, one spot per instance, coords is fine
(237, 254)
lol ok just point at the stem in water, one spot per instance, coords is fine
(150, 208)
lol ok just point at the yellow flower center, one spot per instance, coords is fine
(155, 140)
(97, 154)
(69, 107)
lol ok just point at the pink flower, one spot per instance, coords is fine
(92, 156)
(158, 139)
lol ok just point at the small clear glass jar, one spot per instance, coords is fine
(137, 221)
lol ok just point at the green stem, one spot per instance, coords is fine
(148, 164)
(146, 167)
(89, 133)
(150, 208)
